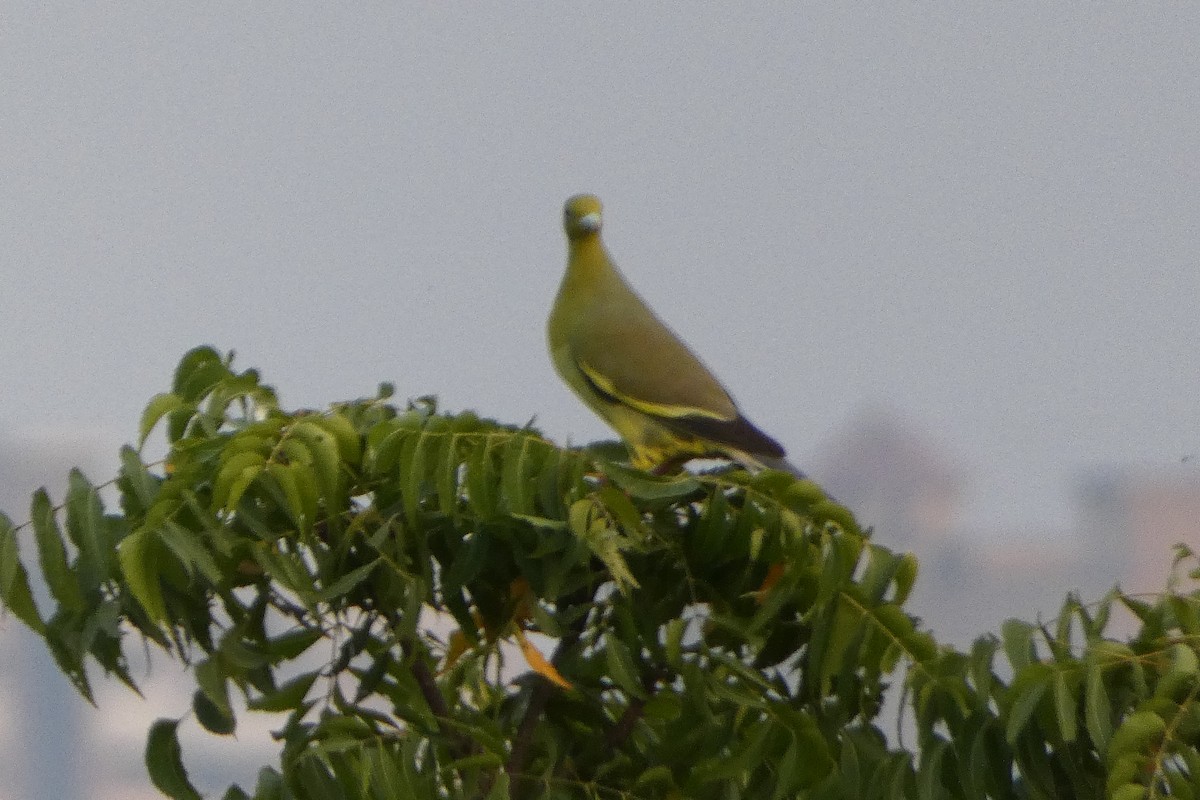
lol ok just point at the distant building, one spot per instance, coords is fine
(1131, 519)
(900, 482)
(895, 478)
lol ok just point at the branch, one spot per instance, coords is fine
(459, 744)
(538, 698)
(624, 726)
(518, 757)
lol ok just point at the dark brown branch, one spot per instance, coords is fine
(460, 745)
(518, 756)
(624, 726)
(523, 739)
(429, 688)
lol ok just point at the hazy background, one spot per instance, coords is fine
(985, 223)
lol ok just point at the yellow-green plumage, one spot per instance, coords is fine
(629, 367)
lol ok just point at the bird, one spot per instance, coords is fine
(626, 365)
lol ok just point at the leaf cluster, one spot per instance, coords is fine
(377, 573)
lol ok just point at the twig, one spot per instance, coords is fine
(624, 726)
(428, 686)
(459, 744)
(518, 756)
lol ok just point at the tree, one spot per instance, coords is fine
(716, 635)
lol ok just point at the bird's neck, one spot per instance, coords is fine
(588, 257)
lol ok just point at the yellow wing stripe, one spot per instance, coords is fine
(605, 385)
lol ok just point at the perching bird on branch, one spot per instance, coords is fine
(629, 368)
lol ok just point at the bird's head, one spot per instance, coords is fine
(582, 216)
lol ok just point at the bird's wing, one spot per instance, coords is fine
(632, 357)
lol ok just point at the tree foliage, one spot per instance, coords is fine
(717, 635)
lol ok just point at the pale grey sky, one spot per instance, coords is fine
(989, 220)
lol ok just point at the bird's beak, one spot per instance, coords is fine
(590, 222)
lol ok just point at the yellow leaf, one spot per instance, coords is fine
(458, 645)
(773, 575)
(520, 591)
(539, 664)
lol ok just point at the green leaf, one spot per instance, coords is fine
(269, 785)
(349, 442)
(480, 479)
(52, 552)
(591, 524)
(290, 645)
(212, 682)
(983, 654)
(655, 776)
(747, 753)
(235, 476)
(673, 642)
(622, 669)
(1183, 669)
(15, 593)
(1186, 611)
(294, 493)
(906, 578)
(287, 697)
(139, 557)
(500, 789)
(138, 487)
(623, 510)
(930, 784)
(837, 514)
(644, 486)
(164, 761)
(844, 626)
(325, 453)
(918, 644)
(412, 475)
(1097, 710)
(1064, 707)
(348, 582)
(1018, 643)
(785, 777)
(289, 571)
(1071, 609)
(385, 442)
(159, 406)
(447, 473)
(515, 466)
(470, 560)
(664, 705)
(1140, 733)
(199, 370)
(542, 522)
(1030, 687)
(882, 566)
(713, 530)
(1129, 791)
(187, 546)
(1182, 786)
(210, 714)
